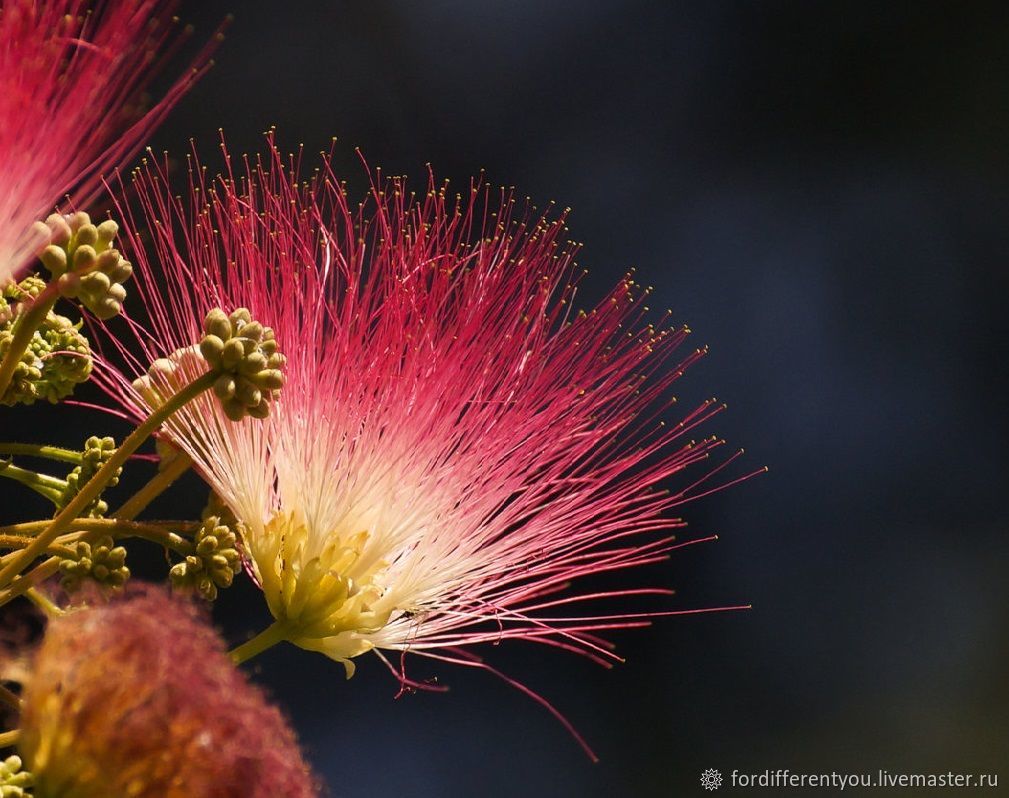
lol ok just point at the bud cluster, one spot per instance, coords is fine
(87, 267)
(240, 352)
(102, 562)
(14, 780)
(28, 288)
(245, 354)
(97, 452)
(58, 356)
(214, 562)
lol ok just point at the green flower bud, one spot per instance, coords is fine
(107, 231)
(271, 379)
(84, 258)
(87, 235)
(54, 258)
(120, 272)
(217, 323)
(69, 285)
(95, 283)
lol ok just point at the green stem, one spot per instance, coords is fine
(165, 539)
(88, 528)
(275, 633)
(57, 547)
(116, 527)
(157, 485)
(43, 602)
(45, 452)
(22, 584)
(9, 739)
(14, 541)
(50, 487)
(97, 483)
(24, 328)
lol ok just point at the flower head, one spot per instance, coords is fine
(137, 699)
(455, 443)
(71, 72)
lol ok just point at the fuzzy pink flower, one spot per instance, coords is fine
(455, 443)
(71, 72)
(138, 698)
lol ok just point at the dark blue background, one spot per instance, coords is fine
(821, 190)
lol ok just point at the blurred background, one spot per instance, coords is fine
(821, 190)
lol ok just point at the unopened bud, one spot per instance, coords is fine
(54, 258)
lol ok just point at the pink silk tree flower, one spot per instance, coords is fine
(71, 75)
(138, 699)
(455, 444)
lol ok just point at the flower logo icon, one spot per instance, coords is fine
(711, 779)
